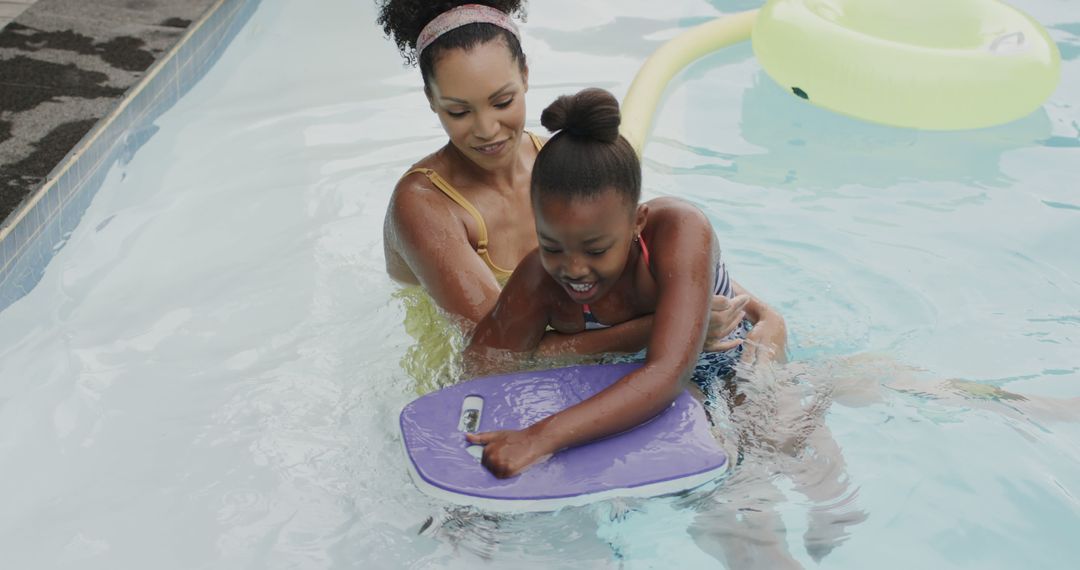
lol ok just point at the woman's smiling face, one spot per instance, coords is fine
(479, 96)
(585, 242)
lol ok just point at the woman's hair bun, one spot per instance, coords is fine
(588, 114)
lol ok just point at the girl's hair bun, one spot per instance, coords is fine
(588, 114)
(587, 156)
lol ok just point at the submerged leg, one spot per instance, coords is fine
(739, 527)
(867, 378)
(737, 524)
(820, 475)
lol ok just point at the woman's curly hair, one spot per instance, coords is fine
(402, 21)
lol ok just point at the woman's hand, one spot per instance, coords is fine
(724, 315)
(508, 453)
(767, 341)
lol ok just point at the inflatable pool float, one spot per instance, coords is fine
(672, 452)
(926, 64)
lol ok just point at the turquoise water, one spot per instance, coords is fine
(208, 375)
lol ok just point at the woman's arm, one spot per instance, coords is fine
(684, 283)
(724, 316)
(427, 243)
(768, 339)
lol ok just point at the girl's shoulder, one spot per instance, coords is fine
(671, 213)
(671, 204)
(538, 289)
(531, 277)
(679, 235)
(531, 289)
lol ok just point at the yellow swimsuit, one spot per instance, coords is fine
(482, 239)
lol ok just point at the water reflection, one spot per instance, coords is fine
(806, 147)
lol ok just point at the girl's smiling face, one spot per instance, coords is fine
(585, 242)
(479, 96)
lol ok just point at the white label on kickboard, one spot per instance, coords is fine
(471, 409)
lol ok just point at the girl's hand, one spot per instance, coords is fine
(508, 453)
(724, 315)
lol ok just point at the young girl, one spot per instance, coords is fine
(605, 259)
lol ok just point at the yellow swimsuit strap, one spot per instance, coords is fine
(539, 144)
(452, 193)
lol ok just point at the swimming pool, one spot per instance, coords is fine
(209, 372)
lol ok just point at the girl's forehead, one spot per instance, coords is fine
(606, 199)
(606, 211)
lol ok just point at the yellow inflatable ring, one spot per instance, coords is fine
(929, 64)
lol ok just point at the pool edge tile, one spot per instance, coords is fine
(54, 210)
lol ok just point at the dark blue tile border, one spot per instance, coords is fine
(34, 233)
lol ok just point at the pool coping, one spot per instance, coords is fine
(36, 230)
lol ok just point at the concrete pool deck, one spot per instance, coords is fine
(65, 65)
(10, 9)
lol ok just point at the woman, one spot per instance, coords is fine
(476, 187)
(460, 221)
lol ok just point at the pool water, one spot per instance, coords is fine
(209, 373)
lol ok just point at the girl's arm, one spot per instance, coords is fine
(684, 248)
(724, 315)
(515, 325)
(630, 336)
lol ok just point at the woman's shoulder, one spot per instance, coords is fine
(419, 175)
(417, 197)
(420, 183)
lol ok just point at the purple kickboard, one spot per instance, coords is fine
(674, 445)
